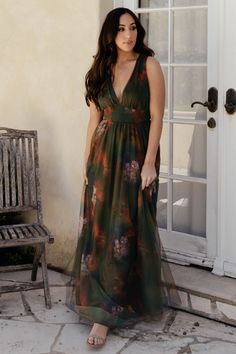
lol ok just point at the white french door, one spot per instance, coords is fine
(185, 37)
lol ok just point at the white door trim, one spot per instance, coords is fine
(214, 19)
(225, 263)
(221, 188)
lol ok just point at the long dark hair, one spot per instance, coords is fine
(106, 55)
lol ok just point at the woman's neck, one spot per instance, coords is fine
(126, 56)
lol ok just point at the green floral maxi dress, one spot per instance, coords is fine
(117, 266)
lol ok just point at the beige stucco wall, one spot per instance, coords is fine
(46, 48)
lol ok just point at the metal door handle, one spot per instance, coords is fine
(212, 102)
(230, 105)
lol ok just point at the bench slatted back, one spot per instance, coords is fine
(19, 171)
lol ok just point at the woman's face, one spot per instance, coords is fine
(127, 33)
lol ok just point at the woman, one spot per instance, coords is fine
(117, 270)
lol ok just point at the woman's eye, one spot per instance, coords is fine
(120, 29)
(133, 28)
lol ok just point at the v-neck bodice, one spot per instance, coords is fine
(127, 83)
(134, 103)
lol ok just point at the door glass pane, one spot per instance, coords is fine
(153, 3)
(164, 149)
(162, 204)
(189, 208)
(190, 2)
(156, 27)
(190, 84)
(190, 36)
(189, 150)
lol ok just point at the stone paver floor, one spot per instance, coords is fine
(27, 327)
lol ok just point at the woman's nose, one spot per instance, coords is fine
(128, 34)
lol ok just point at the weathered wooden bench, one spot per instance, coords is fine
(20, 192)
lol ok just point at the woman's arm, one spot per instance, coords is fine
(157, 106)
(94, 118)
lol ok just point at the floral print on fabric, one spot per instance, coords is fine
(120, 247)
(132, 171)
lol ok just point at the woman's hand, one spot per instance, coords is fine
(148, 175)
(85, 173)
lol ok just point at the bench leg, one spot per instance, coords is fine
(37, 255)
(45, 279)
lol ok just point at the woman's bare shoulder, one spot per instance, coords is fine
(153, 66)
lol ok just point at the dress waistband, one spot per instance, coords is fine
(126, 115)
(131, 121)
